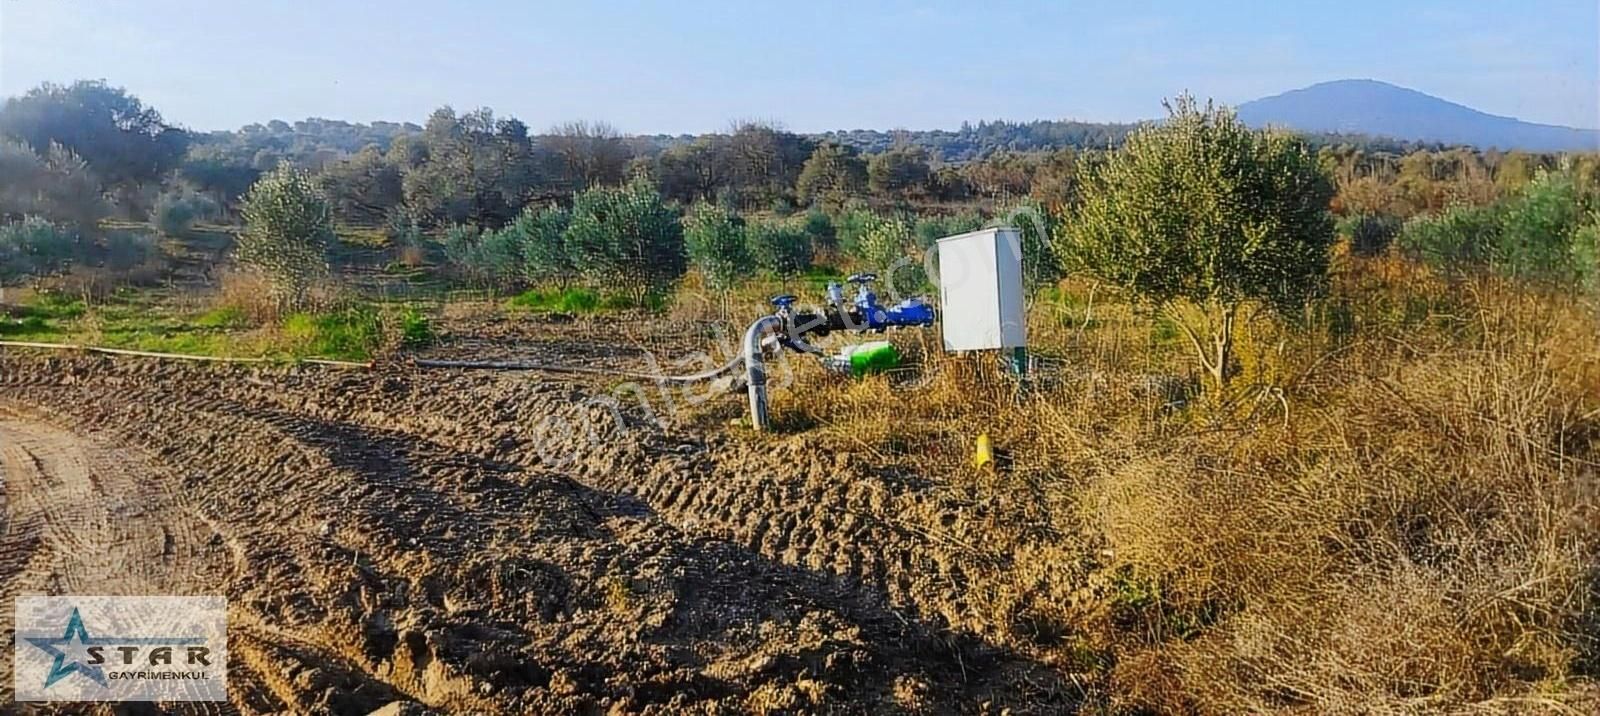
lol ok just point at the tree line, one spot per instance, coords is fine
(508, 205)
(482, 169)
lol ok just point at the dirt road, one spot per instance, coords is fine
(482, 542)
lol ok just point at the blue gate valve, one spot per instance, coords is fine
(784, 303)
(910, 312)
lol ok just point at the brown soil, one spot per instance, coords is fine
(487, 542)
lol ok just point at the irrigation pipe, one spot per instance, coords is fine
(767, 343)
(420, 362)
(175, 356)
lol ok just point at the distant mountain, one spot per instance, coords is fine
(1380, 109)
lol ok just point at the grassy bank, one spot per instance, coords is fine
(1394, 508)
(148, 321)
(582, 301)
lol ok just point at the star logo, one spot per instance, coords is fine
(72, 653)
(63, 666)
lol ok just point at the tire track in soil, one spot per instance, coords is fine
(372, 479)
(82, 501)
(784, 500)
(84, 517)
(312, 668)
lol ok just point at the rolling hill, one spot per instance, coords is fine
(1380, 109)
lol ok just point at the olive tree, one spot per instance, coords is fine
(1542, 233)
(782, 249)
(889, 249)
(365, 188)
(626, 237)
(545, 258)
(33, 247)
(585, 154)
(1201, 211)
(1040, 267)
(463, 251)
(884, 242)
(57, 185)
(714, 237)
(176, 211)
(288, 227)
(500, 257)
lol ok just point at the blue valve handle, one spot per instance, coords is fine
(784, 301)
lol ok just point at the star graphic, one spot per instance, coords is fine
(62, 667)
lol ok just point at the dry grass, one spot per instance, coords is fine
(412, 256)
(252, 296)
(1396, 510)
(248, 293)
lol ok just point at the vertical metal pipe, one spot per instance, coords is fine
(755, 369)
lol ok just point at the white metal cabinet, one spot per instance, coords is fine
(980, 290)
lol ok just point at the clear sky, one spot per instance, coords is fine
(691, 66)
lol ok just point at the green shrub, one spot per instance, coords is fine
(1369, 234)
(489, 258)
(852, 223)
(1458, 237)
(820, 228)
(781, 249)
(176, 211)
(1538, 227)
(350, 334)
(883, 244)
(571, 300)
(416, 329)
(929, 229)
(1543, 233)
(122, 250)
(34, 247)
(461, 248)
(500, 256)
(55, 184)
(1586, 253)
(888, 250)
(1040, 266)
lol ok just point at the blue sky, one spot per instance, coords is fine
(691, 66)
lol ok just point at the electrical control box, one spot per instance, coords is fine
(980, 290)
